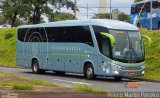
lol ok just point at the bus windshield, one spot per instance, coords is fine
(128, 46)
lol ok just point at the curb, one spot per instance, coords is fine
(142, 79)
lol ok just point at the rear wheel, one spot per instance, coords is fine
(89, 72)
(159, 25)
(35, 67)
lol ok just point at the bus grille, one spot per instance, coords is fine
(131, 68)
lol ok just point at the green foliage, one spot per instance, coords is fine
(91, 89)
(152, 54)
(8, 35)
(7, 83)
(122, 16)
(102, 16)
(12, 9)
(7, 47)
(137, 0)
(2, 72)
(2, 20)
(41, 83)
(22, 87)
(21, 83)
(58, 16)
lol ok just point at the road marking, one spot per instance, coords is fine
(72, 82)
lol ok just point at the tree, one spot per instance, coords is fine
(102, 16)
(122, 16)
(12, 9)
(31, 10)
(2, 20)
(137, 0)
(58, 16)
(40, 7)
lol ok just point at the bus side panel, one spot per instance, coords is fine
(57, 57)
(21, 55)
(72, 59)
(59, 62)
(104, 67)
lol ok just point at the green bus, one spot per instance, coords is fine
(94, 47)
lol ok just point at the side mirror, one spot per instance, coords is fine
(111, 37)
(148, 38)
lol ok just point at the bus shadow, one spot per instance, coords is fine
(80, 76)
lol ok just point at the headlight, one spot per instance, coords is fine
(143, 67)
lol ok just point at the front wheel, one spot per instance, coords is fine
(89, 72)
(35, 67)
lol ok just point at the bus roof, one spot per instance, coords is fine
(111, 24)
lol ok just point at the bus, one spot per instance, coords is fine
(141, 14)
(95, 47)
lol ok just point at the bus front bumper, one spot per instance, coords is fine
(128, 73)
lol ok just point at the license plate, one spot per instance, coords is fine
(131, 73)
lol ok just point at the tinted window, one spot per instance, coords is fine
(80, 34)
(21, 34)
(156, 4)
(32, 35)
(144, 7)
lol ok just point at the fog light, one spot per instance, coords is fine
(115, 72)
(143, 72)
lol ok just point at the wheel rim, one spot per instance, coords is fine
(35, 68)
(89, 72)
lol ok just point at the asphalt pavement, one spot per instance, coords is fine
(105, 83)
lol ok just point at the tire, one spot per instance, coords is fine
(159, 25)
(89, 72)
(35, 67)
(118, 78)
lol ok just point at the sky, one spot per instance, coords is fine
(122, 5)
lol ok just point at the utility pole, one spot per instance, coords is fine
(110, 9)
(75, 8)
(87, 10)
(151, 15)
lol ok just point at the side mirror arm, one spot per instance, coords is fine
(111, 37)
(148, 38)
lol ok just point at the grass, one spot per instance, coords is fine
(152, 70)
(8, 48)
(41, 83)
(21, 83)
(90, 89)
(22, 87)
